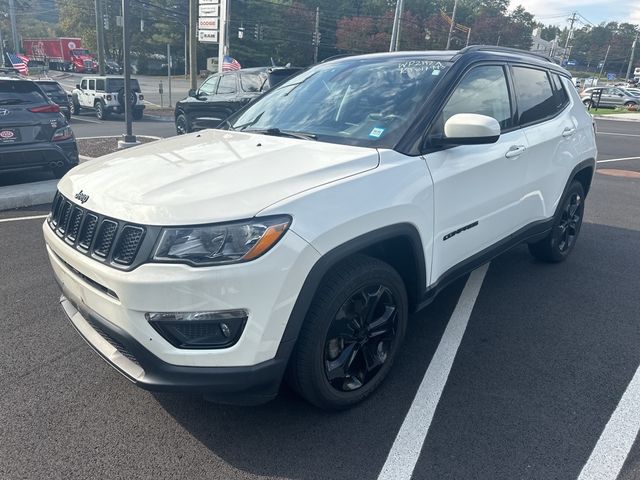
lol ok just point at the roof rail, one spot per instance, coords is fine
(494, 48)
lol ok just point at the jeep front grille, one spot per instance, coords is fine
(105, 239)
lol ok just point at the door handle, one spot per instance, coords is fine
(515, 151)
(568, 132)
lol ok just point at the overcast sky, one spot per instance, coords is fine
(596, 11)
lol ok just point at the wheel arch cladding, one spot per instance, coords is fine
(584, 174)
(399, 245)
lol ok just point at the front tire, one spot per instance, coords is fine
(557, 246)
(182, 124)
(75, 108)
(351, 335)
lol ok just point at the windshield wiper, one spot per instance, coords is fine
(276, 132)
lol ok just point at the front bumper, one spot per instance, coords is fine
(107, 304)
(240, 385)
(37, 155)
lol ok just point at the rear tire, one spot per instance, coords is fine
(60, 172)
(75, 108)
(557, 246)
(101, 113)
(351, 334)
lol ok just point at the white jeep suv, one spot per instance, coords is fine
(105, 95)
(294, 243)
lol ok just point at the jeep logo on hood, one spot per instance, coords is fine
(83, 197)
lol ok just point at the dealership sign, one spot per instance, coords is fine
(209, 19)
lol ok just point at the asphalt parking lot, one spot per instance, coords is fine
(540, 381)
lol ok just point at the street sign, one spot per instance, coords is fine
(208, 23)
(208, 36)
(209, 2)
(209, 10)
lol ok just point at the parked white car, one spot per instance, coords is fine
(105, 96)
(300, 238)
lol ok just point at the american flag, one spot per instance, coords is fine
(19, 62)
(229, 64)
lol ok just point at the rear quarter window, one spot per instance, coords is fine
(561, 95)
(252, 82)
(534, 94)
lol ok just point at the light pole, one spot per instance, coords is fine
(395, 33)
(100, 36)
(605, 60)
(128, 139)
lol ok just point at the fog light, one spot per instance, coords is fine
(200, 330)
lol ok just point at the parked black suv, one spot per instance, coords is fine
(57, 94)
(220, 95)
(33, 132)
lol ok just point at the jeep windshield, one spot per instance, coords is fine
(368, 102)
(115, 84)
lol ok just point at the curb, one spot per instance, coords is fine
(27, 194)
(159, 118)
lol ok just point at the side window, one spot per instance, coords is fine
(227, 84)
(483, 91)
(562, 98)
(100, 84)
(83, 85)
(535, 97)
(251, 82)
(209, 86)
(92, 84)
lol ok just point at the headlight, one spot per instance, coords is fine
(220, 244)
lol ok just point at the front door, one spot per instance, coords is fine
(478, 189)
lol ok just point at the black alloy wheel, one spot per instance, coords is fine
(570, 221)
(351, 335)
(556, 246)
(360, 338)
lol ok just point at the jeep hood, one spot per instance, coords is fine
(209, 176)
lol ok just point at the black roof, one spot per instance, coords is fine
(467, 54)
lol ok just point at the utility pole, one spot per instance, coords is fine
(395, 34)
(100, 36)
(566, 43)
(633, 52)
(186, 50)
(316, 36)
(193, 24)
(14, 27)
(222, 40)
(169, 73)
(453, 22)
(128, 139)
(1, 50)
(605, 60)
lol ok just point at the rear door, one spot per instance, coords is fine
(477, 188)
(546, 120)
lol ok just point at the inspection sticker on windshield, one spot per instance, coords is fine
(376, 132)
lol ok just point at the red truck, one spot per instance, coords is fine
(61, 53)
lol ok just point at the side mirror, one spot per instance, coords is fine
(78, 86)
(193, 93)
(470, 129)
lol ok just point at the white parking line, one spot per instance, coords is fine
(406, 448)
(617, 159)
(618, 437)
(16, 219)
(620, 134)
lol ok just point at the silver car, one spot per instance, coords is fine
(609, 97)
